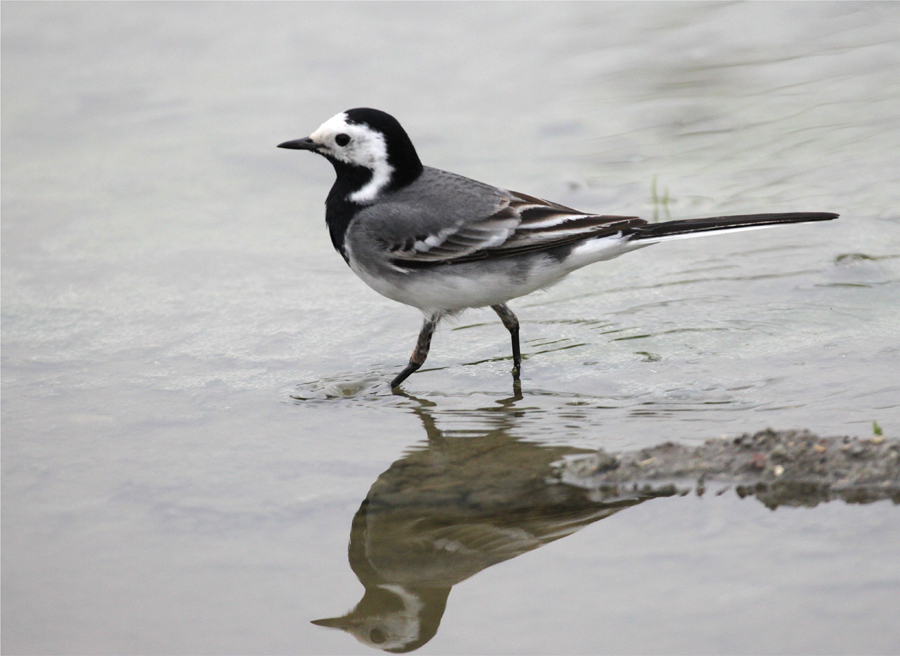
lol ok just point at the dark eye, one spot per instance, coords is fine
(342, 139)
(376, 635)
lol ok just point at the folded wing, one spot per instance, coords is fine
(521, 224)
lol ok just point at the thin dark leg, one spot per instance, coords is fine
(512, 325)
(421, 350)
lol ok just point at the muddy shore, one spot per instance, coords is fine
(796, 468)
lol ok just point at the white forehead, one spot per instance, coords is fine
(335, 125)
(339, 123)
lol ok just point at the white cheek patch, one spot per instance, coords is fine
(367, 148)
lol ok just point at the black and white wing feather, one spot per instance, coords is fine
(444, 218)
(521, 224)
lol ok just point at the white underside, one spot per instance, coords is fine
(450, 292)
(455, 289)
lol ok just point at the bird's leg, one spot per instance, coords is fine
(421, 351)
(512, 325)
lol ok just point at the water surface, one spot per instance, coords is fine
(194, 400)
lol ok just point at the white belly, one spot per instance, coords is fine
(480, 284)
(445, 289)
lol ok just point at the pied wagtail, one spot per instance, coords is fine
(443, 243)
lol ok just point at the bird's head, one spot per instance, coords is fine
(366, 145)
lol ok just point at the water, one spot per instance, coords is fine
(194, 400)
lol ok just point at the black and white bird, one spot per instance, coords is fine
(443, 243)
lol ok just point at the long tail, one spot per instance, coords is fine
(696, 227)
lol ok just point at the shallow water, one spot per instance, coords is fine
(194, 384)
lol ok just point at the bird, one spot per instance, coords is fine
(444, 243)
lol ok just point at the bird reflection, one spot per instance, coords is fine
(450, 509)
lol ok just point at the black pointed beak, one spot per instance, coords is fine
(300, 144)
(332, 622)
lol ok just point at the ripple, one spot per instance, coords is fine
(343, 388)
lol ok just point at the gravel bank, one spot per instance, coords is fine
(795, 468)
